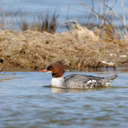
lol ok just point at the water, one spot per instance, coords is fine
(27, 102)
(18, 10)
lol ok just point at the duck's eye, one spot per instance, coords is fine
(49, 68)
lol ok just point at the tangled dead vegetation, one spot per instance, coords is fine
(79, 49)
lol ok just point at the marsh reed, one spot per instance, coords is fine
(41, 23)
(104, 16)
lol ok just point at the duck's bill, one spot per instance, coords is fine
(44, 70)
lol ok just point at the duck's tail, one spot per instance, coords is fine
(112, 77)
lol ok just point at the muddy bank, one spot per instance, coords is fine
(78, 48)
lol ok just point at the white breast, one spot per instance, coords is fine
(57, 82)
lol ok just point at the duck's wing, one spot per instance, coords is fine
(80, 81)
(87, 81)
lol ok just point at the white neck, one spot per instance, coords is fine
(57, 82)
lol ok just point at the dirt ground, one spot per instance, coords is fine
(78, 48)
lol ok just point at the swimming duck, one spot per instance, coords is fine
(77, 81)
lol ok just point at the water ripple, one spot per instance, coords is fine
(25, 102)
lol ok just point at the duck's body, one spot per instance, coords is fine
(82, 81)
(76, 80)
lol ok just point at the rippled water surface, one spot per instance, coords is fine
(26, 102)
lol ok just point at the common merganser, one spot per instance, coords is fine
(76, 80)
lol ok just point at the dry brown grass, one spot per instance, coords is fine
(77, 48)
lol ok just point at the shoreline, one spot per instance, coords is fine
(79, 49)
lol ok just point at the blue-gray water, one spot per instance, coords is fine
(68, 9)
(26, 102)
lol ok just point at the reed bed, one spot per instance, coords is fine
(78, 48)
(35, 45)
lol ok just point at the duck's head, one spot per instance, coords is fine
(57, 69)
